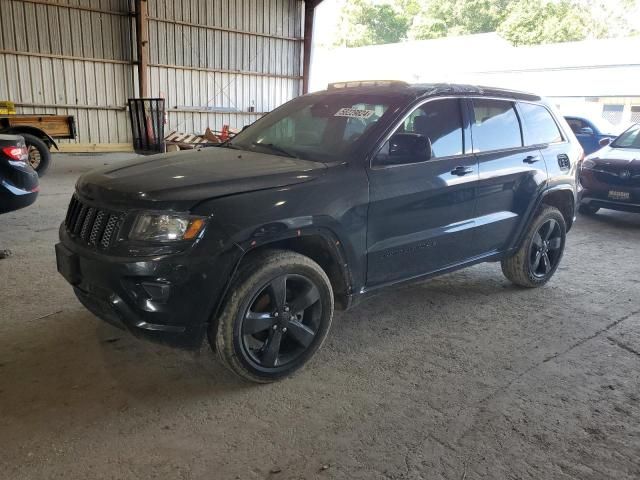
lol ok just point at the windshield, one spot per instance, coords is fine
(317, 127)
(629, 139)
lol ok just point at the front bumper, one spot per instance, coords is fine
(595, 193)
(610, 204)
(168, 299)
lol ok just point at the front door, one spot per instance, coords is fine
(421, 212)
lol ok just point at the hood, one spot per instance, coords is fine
(616, 156)
(179, 180)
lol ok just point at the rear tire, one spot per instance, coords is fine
(277, 315)
(39, 153)
(585, 209)
(538, 257)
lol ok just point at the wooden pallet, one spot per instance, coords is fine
(175, 140)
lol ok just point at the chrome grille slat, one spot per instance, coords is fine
(75, 210)
(108, 231)
(92, 226)
(80, 219)
(87, 224)
(97, 228)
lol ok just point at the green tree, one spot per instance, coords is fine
(368, 23)
(532, 22)
(522, 22)
(441, 18)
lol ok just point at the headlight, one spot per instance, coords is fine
(152, 227)
(588, 164)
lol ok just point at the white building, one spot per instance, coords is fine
(590, 78)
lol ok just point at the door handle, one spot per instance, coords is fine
(461, 171)
(531, 159)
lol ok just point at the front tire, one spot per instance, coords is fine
(538, 257)
(39, 153)
(277, 315)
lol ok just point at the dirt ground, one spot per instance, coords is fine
(461, 377)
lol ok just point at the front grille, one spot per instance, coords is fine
(612, 176)
(623, 176)
(93, 226)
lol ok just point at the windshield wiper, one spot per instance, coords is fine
(274, 148)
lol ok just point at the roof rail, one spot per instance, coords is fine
(367, 83)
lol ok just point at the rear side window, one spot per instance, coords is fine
(541, 127)
(495, 126)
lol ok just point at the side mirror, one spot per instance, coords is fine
(586, 131)
(604, 141)
(409, 148)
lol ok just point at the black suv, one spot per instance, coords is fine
(329, 198)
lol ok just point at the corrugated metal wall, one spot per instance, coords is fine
(213, 60)
(70, 57)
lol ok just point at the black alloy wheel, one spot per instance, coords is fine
(545, 249)
(277, 315)
(281, 322)
(540, 252)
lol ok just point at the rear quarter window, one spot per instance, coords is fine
(541, 127)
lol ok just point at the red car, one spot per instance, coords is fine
(610, 177)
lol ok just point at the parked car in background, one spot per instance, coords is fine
(331, 197)
(18, 181)
(39, 132)
(590, 133)
(610, 177)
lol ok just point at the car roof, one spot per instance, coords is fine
(420, 90)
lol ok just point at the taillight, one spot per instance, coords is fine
(18, 154)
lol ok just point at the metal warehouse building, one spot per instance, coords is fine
(215, 62)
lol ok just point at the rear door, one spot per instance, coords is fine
(542, 131)
(509, 172)
(420, 216)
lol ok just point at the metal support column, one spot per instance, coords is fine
(309, 12)
(142, 46)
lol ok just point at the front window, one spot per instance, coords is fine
(320, 128)
(629, 139)
(439, 122)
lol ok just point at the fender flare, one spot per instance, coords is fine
(35, 131)
(563, 187)
(332, 241)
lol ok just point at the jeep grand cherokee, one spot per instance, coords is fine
(329, 198)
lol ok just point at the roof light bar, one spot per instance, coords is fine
(367, 83)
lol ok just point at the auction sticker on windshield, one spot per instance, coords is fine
(354, 113)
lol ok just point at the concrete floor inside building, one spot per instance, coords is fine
(461, 377)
